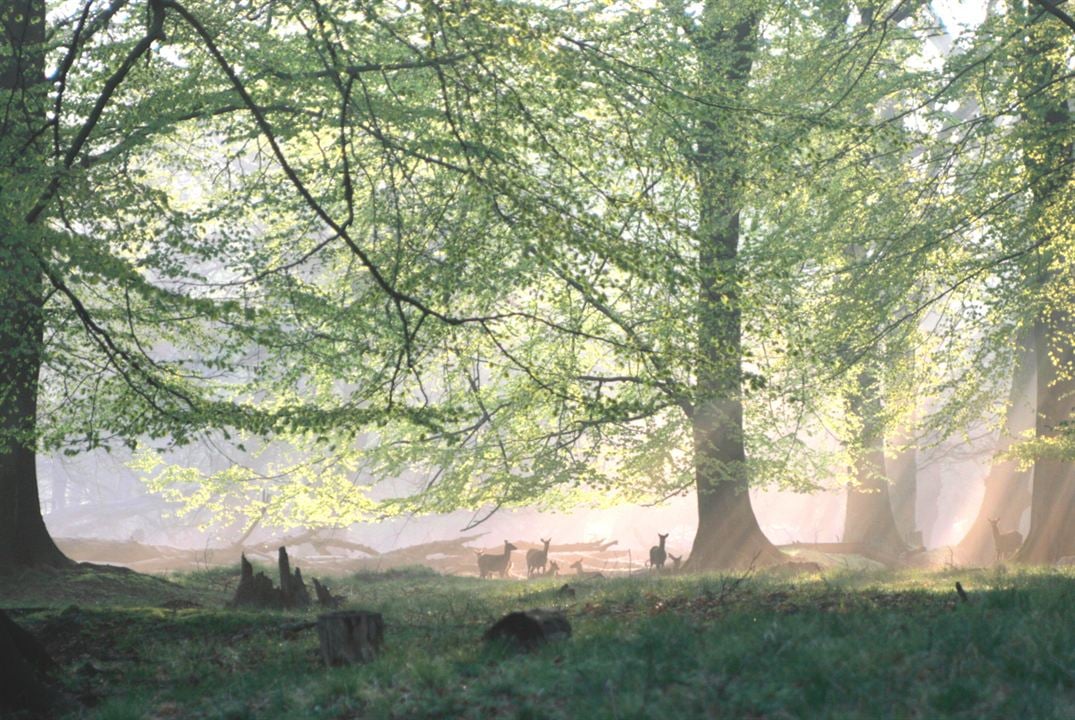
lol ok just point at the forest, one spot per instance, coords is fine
(487, 270)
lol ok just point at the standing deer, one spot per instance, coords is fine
(536, 559)
(489, 564)
(657, 554)
(1005, 543)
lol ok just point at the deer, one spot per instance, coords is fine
(675, 562)
(657, 554)
(553, 569)
(579, 572)
(1005, 543)
(537, 559)
(489, 564)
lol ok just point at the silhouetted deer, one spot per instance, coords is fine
(577, 565)
(489, 564)
(554, 569)
(536, 559)
(1005, 543)
(657, 554)
(675, 562)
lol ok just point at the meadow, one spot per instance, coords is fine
(839, 644)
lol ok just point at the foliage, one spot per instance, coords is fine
(462, 244)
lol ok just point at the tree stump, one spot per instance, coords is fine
(254, 590)
(23, 664)
(327, 599)
(350, 636)
(293, 592)
(258, 591)
(531, 628)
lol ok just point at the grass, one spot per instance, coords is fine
(850, 645)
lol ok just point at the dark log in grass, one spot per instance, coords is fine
(531, 628)
(350, 636)
(23, 664)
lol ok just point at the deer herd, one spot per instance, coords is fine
(538, 563)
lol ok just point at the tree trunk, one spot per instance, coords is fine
(1047, 153)
(903, 472)
(868, 519)
(728, 534)
(1007, 488)
(1052, 510)
(24, 540)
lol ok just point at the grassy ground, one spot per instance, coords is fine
(846, 645)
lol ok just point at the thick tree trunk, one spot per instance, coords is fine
(1047, 154)
(903, 472)
(1007, 488)
(728, 534)
(868, 519)
(24, 540)
(1052, 510)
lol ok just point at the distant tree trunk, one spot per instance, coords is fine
(868, 518)
(902, 470)
(728, 533)
(1047, 131)
(1007, 488)
(24, 540)
(1052, 509)
(902, 467)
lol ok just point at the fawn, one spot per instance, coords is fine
(675, 562)
(536, 559)
(577, 565)
(657, 554)
(554, 569)
(489, 564)
(1005, 543)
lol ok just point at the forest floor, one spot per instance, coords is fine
(843, 644)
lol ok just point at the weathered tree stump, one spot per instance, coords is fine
(293, 591)
(258, 591)
(324, 597)
(23, 664)
(254, 590)
(350, 636)
(531, 628)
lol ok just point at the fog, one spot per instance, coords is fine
(96, 496)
